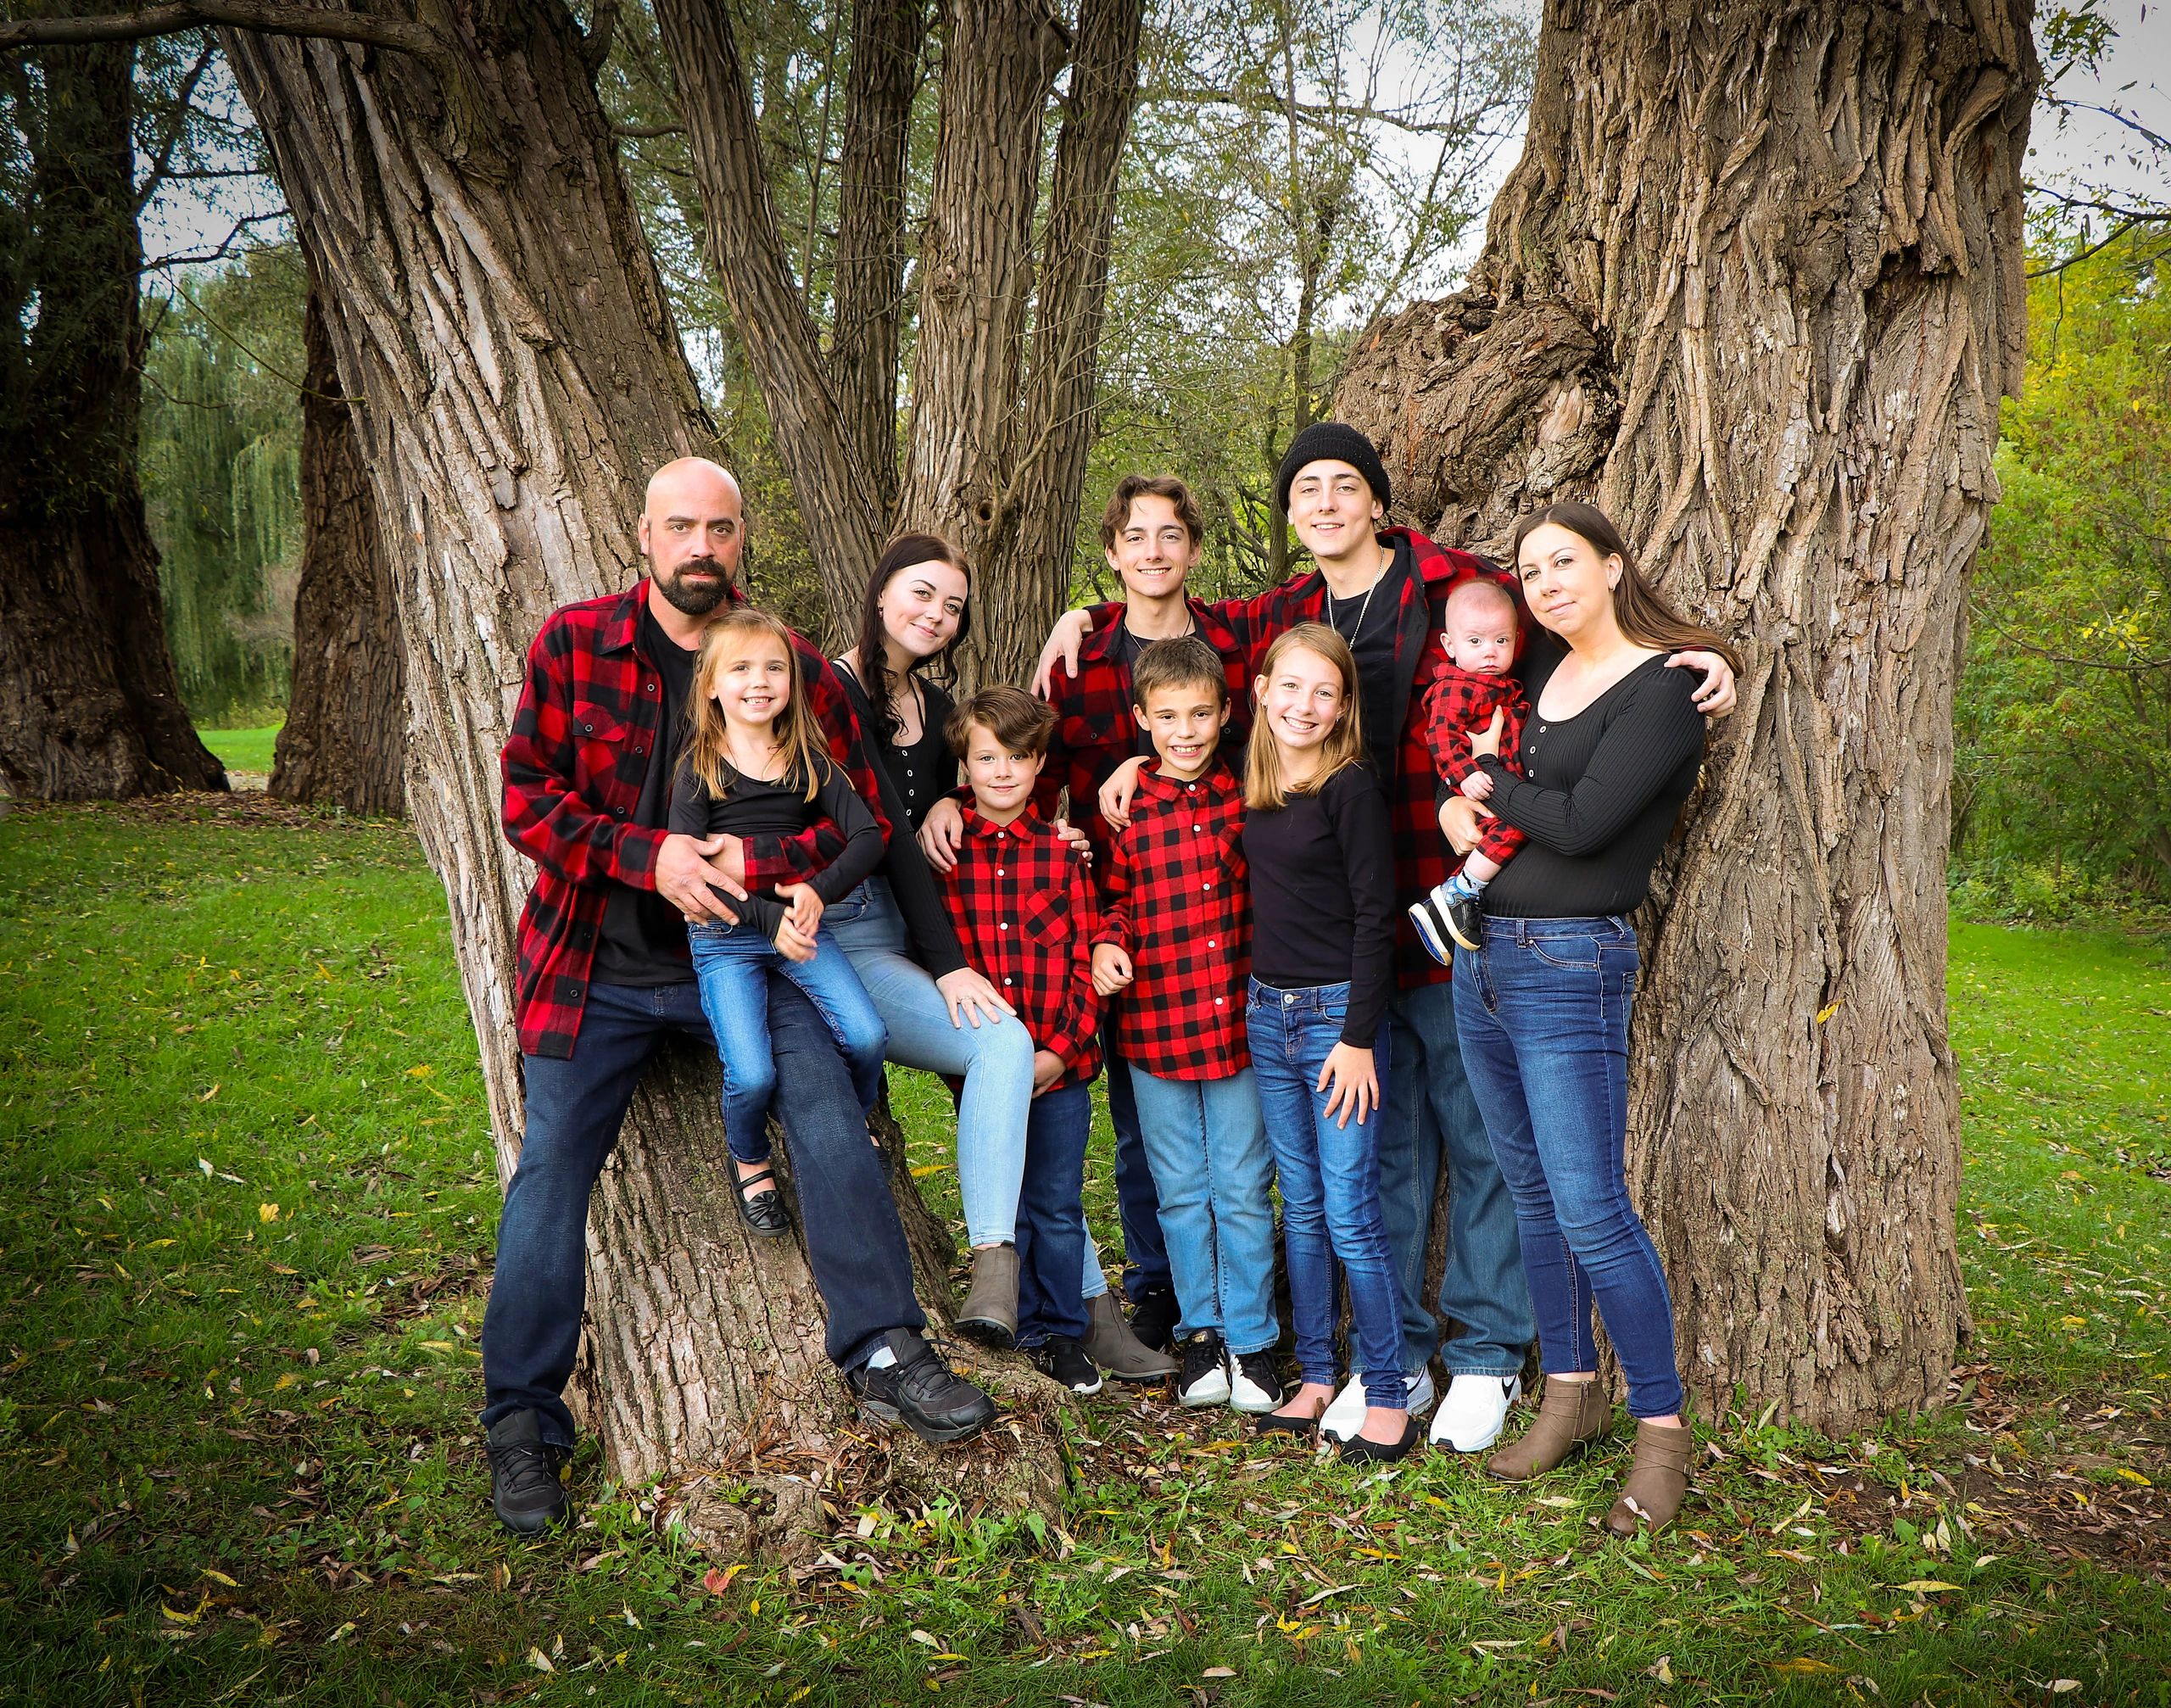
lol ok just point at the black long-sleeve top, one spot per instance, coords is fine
(752, 807)
(912, 883)
(1323, 896)
(1599, 792)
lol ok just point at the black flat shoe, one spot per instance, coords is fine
(1355, 1449)
(761, 1210)
(1296, 1428)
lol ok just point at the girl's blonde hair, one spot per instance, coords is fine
(726, 638)
(1265, 789)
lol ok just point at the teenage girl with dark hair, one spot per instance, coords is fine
(1611, 750)
(942, 1015)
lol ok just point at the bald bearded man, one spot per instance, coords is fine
(604, 977)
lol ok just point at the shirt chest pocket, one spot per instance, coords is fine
(1086, 732)
(1044, 915)
(604, 740)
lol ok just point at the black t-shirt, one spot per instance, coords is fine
(1370, 622)
(754, 806)
(643, 940)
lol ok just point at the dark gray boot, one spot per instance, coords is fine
(1110, 1344)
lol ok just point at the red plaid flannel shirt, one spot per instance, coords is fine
(1422, 858)
(1177, 902)
(1095, 729)
(1462, 704)
(1024, 912)
(588, 715)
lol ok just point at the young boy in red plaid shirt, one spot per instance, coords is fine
(1477, 686)
(1175, 939)
(1024, 912)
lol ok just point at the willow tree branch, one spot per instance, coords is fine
(268, 17)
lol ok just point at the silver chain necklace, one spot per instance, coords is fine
(1334, 615)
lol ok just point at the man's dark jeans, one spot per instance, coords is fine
(855, 1243)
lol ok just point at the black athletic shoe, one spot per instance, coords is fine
(1060, 1358)
(525, 1488)
(1466, 922)
(1203, 1380)
(1444, 919)
(921, 1391)
(1154, 1314)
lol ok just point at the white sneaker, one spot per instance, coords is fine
(1475, 1411)
(1252, 1384)
(1346, 1416)
(1204, 1378)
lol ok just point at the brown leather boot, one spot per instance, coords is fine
(989, 1316)
(1110, 1344)
(1657, 1479)
(1570, 1416)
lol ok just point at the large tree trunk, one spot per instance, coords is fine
(90, 705)
(344, 742)
(495, 309)
(1756, 286)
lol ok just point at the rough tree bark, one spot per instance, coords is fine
(1756, 286)
(90, 705)
(495, 310)
(995, 444)
(344, 742)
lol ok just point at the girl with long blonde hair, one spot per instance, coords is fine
(1317, 841)
(756, 765)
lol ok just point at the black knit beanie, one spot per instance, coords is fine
(1325, 440)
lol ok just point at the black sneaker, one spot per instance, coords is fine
(1254, 1384)
(1203, 1380)
(526, 1486)
(1466, 922)
(1154, 1314)
(1060, 1358)
(1429, 916)
(921, 1391)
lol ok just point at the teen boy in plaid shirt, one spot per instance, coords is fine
(1175, 939)
(1150, 535)
(1024, 910)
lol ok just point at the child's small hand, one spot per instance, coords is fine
(1354, 1083)
(794, 944)
(1477, 786)
(1047, 1068)
(1111, 969)
(806, 906)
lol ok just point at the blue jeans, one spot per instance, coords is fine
(1330, 1187)
(1544, 1015)
(1052, 1217)
(1431, 1119)
(855, 1243)
(731, 968)
(996, 1062)
(1206, 1140)
(1138, 1204)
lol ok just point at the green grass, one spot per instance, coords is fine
(243, 749)
(247, 1209)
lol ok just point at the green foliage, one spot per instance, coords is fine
(2063, 721)
(239, 1459)
(221, 450)
(243, 749)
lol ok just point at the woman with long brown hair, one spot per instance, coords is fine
(1609, 752)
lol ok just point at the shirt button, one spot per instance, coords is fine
(1005, 981)
(1209, 942)
(1004, 926)
(1217, 1001)
(908, 773)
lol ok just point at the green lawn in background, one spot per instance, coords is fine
(242, 750)
(247, 1209)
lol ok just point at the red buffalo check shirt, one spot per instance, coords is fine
(573, 767)
(1024, 912)
(1177, 902)
(1422, 858)
(1095, 730)
(1461, 706)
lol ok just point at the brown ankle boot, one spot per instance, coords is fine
(989, 1316)
(1570, 1416)
(1657, 1479)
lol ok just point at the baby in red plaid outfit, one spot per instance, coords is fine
(1477, 686)
(1024, 911)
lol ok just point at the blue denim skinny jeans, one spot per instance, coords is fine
(1330, 1188)
(732, 964)
(1206, 1141)
(994, 1062)
(1543, 1012)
